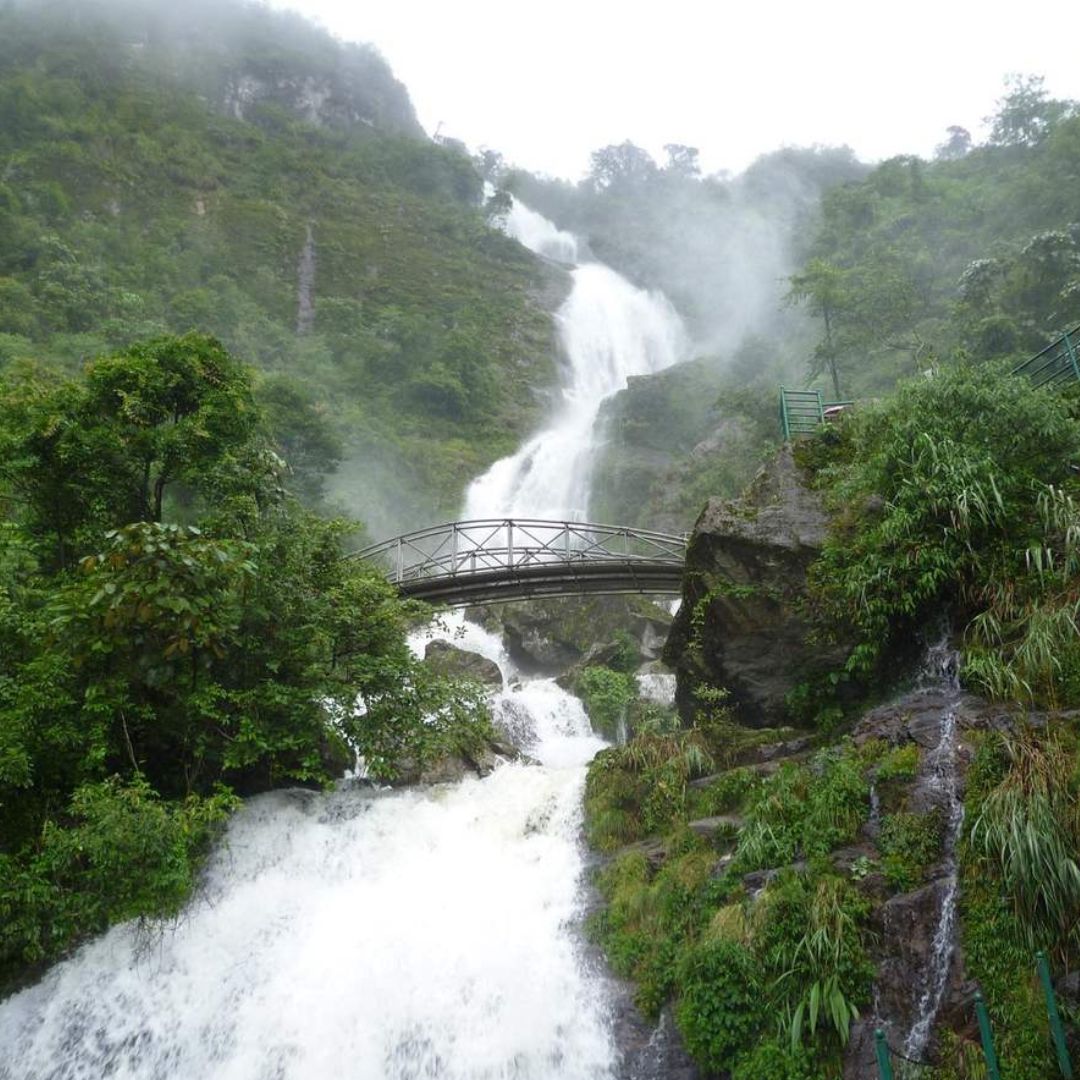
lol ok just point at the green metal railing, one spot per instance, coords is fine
(802, 412)
(906, 1069)
(1057, 364)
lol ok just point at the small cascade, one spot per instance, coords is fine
(455, 629)
(873, 825)
(942, 672)
(657, 687)
(358, 934)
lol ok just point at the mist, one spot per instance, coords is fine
(721, 248)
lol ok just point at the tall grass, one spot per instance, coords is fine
(1029, 830)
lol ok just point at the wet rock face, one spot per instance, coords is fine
(739, 626)
(447, 659)
(549, 637)
(905, 923)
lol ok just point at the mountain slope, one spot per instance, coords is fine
(254, 178)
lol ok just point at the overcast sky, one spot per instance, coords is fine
(548, 82)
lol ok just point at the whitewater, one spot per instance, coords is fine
(391, 935)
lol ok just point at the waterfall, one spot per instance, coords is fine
(357, 934)
(943, 670)
(389, 935)
(609, 331)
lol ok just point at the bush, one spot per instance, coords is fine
(122, 853)
(721, 1004)
(771, 1060)
(961, 469)
(909, 844)
(606, 695)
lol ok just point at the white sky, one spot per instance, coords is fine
(548, 82)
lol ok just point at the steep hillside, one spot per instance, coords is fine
(242, 173)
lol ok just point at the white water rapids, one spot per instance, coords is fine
(377, 935)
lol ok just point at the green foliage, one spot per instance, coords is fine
(640, 789)
(976, 249)
(142, 196)
(909, 845)
(687, 930)
(899, 763)
(960, 466)
(606, 694)
(771, 1059)
(120, 852)
(719, 1009)
(998, 922)
(810, 939)
(801, 810)
(1028, 832)
(174, 657)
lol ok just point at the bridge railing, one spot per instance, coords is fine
(1057, 364)
(469, 548)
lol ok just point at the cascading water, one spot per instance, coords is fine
(358, 934)
(388, 935)
(942, 671)
(609, 331)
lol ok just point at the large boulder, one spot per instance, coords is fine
(740, 626)
(448, 659)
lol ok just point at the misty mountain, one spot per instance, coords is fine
(224, 168)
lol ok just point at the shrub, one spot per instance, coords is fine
(960, 465)
(909, 843)
(772, 1060)
(721, 1006)
(899, 763)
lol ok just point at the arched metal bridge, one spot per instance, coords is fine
(483, 562)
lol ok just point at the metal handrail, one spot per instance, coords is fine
(468, 548)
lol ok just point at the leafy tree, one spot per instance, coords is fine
(1026, 114)
(682, 160)
(957, 145)
(620, 167)
(823, 288)
(103, 452)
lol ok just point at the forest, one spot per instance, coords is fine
(252, 317)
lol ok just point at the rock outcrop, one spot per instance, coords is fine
(448, 659)
(740, 626)
(549, 637)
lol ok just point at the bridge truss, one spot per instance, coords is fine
(484, 562)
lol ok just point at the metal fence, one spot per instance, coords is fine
(802, 412)
(893, 1065)
(482, 561)
(1057, 364)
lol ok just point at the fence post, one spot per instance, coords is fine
(1072, 354)
(1056, 1031)
(400, 562)
(993, 1070)
(784, 416)
(881, 1050)
(510, 544)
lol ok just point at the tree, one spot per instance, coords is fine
(956, 146)
(1026, 114)
(621, 166)
(682, 160)
(823, 288)
(102, 453)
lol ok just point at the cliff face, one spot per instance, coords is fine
(740, 625)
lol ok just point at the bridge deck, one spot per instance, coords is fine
(483, 562)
